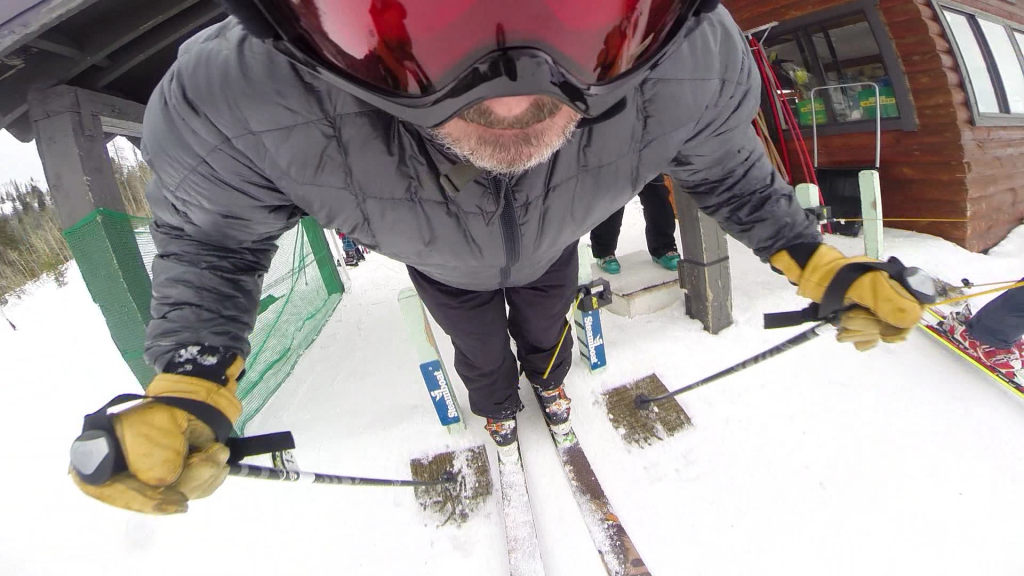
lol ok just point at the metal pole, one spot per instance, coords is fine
(766, 29)
(878, 119)
(264, 473)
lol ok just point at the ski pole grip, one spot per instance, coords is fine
(96, 457)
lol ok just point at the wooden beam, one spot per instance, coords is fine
(71, 143)
(97, 44)
(61, 45)
(704, 270)
(157, 39)
(117, 115)
(27, 19)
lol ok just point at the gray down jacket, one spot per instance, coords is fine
(243, 143)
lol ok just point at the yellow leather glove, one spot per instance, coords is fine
(172, 457)
(886, 312)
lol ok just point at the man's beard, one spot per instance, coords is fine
(517, 150)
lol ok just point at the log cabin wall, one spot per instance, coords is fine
(947, 168)
(994, 157)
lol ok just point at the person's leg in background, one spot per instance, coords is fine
(478, 328)
(537, 322)
(605, 239)
(994, 333)
(1000, 323)
(661, 223)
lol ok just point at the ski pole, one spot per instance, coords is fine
(644, 402)
(264, 473)
(13, 327)
(96, 458)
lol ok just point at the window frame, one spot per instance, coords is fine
(799, 26)
(979, 118)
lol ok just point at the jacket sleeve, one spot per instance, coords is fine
(216, 219)
(726, 170)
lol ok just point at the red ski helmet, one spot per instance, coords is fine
(426, 60)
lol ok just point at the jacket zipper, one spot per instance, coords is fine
(509, 227)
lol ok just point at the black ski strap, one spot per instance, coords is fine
(793, 318)
(215, 419)
(242, 448)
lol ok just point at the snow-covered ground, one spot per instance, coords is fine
(901, 461)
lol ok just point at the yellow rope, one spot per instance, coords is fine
(562, 338)
(990, 284)
(900, 219)
(969, 296)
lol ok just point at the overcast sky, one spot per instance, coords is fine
(19, 161)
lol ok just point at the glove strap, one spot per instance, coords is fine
(207, 414)
(97, 454)
(920, 285)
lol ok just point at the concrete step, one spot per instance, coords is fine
(642, 287)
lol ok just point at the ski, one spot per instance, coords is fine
(931, 325)
(520, 531)
(613, 544)
(431, 365)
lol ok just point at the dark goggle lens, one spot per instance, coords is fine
(416, 47)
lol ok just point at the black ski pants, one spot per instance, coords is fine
(1000, 323)
(479, 328)
(661, 223)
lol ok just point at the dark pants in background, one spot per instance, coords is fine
(1000, 323)
(479, 329)
(661, 223)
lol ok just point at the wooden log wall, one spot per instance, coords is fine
(995, 162)
(948, 168)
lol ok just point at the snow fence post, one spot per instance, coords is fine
(323, 255)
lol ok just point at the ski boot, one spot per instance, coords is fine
(1007, 361)
(610, 264)
(351, 259)
(669, 261)
(505, 436)
(556, 409)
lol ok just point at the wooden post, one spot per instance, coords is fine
(704, 269)
(871, 212)
(71, 139)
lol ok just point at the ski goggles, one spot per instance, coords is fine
(426, 60)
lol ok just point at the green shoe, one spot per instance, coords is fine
(669, 261)
(610, 264)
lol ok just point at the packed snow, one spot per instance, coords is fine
(904, 460)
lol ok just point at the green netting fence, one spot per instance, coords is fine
(301, 290)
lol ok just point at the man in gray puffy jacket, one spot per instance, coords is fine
(474, 141)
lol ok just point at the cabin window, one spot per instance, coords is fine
(989, 53)
(847, 48)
